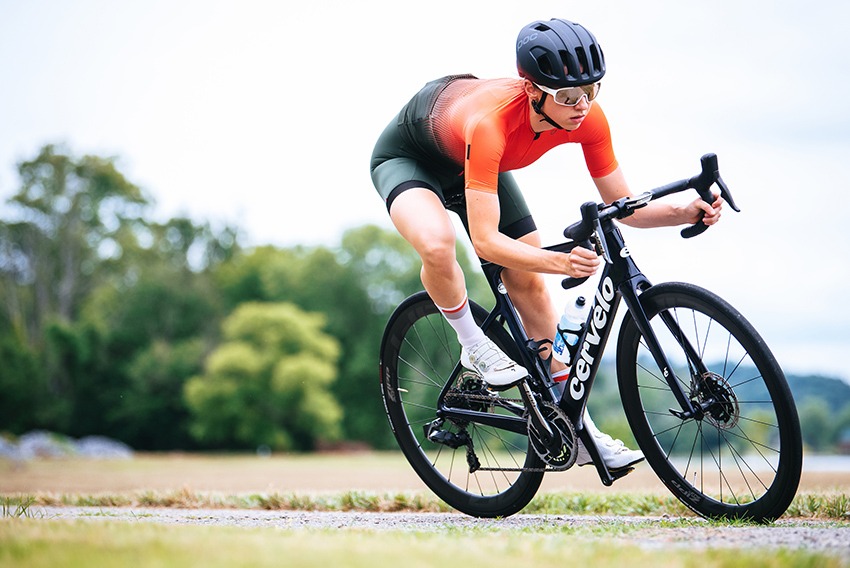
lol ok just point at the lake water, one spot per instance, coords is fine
(831, 463)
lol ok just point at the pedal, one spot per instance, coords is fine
(622, 472)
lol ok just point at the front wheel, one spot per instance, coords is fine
(479, 469)
(740, 454)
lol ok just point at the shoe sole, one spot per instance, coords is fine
(617, 469)
(502, 388)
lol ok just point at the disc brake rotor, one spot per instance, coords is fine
(719, 400)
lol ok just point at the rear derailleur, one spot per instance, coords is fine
(434, 432)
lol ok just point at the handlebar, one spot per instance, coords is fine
(593, 214)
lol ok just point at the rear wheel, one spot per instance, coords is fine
(478, 469)
(740, 455)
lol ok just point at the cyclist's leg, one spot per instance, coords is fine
(416, 204)
(419, 216)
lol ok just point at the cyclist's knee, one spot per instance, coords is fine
(437, 249)
(528, 283)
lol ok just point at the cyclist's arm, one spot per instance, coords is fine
(658, 213)
(490, 244)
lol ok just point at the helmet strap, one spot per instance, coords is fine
(538, 108)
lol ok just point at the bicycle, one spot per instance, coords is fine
(707, 402)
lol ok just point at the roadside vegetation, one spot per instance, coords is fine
(816, 505)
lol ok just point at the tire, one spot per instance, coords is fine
(743, 458)
(419, 352)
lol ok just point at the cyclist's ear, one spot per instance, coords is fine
(531, 90)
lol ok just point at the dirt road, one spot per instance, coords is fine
(646, 532)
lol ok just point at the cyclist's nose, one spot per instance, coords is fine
(583, 103)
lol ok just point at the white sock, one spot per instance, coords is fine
(461, 320)
(560, 379)
(561, 375)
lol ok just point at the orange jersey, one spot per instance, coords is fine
(484, 124)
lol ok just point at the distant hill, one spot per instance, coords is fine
(834, 392)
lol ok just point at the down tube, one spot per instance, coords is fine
(591, 346)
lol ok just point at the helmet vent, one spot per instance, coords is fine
(596, 57)
(581, 55)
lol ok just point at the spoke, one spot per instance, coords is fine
(415, 368)
(758, 447)
(761, 422)
(428, 383)
(418, 405)
(739, 458)
(722, 479)
(680, 427)
(744, 382)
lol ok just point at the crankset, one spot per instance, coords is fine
(558, 451)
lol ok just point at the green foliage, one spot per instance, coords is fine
(21, 385)
(152, 410)
(268, 382)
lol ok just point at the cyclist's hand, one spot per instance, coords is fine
(699, 210)
(582, 262)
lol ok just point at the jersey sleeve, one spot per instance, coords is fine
(485, 145)
(596, 144)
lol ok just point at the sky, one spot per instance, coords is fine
(263, 114)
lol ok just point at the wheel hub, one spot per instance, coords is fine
(717, 400)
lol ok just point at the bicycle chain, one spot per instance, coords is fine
(491, 399)
(482, 397)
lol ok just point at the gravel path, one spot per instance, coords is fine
(829, 537)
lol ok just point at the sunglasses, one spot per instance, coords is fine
(570, 96)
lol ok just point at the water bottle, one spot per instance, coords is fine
(569, 330)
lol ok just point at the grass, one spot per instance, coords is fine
(11, 507)
(43, 543)
(820, 505)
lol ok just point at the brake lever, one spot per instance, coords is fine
(709, 175)
(599, 241)
(725, 194)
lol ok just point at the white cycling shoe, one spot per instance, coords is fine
(613, 452)
(496, 368)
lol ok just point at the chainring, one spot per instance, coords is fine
(566, 457)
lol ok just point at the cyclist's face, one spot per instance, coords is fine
(570, 117)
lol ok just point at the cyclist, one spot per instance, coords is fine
(452, 147)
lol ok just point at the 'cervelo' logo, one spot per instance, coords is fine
(601, 311)
(526, 39)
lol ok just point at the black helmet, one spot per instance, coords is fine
(559, 53)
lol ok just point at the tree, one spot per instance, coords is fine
(101, 309)
(269, 382)
(68, 214)
(22, 384)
